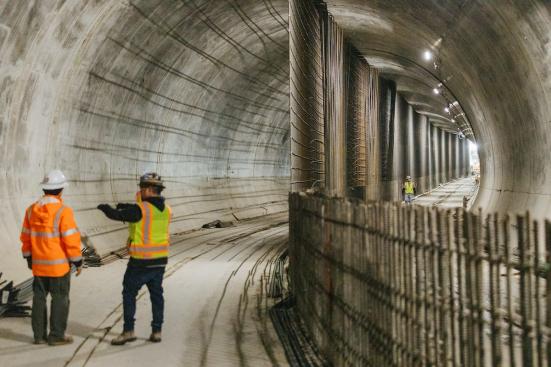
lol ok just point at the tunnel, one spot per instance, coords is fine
(259, 113)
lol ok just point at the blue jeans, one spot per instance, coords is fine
(134, 279)
(408, 198)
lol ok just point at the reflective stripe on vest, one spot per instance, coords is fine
(54, 234)
(149, 238)
(409, 187)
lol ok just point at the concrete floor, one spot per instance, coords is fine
(449, 195)
(215, 311)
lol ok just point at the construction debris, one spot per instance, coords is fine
(13, 298)
(217, 224)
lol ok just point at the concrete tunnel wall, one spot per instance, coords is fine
(105, 90)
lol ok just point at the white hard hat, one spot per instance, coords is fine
(54, 180)
(408, 177)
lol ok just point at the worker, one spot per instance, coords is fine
(50, 243)
(408, 190)
(148, 244)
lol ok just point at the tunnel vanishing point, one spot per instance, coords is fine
(262, 112)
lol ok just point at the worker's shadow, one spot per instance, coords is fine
(78, 329)
(15, 336)
(73, 328)
(23, 343)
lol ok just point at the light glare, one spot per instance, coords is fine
(427, 55)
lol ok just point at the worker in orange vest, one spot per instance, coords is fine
(50, 244)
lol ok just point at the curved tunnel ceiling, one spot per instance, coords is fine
(198, 91)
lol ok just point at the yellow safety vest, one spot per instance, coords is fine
(408, 186)
(149, 238)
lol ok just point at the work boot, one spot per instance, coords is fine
(155, 337)
(40, 341)
(63, 341)
(125, 337)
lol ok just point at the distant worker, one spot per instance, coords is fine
(148, 244)
(51, 242)
(408, 190)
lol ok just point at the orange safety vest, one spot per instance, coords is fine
(149, 238)
(50, 237)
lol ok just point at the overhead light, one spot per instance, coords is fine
(427, 55)
(436, 91)
(447, 109)
(453, 120)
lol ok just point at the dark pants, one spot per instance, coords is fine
(59, 311)
(134, 279)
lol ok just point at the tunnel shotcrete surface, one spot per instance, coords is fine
(106, 90)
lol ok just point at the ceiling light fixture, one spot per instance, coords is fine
(436, 91)
(427, 55)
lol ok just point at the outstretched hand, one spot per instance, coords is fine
(104, 207)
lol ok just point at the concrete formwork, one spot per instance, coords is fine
(435, 155)
(453, 156)
(387, 137)
(400, 145)
(335, 107)
(443, 157)
(458, 160)
(306, 101)
(423, 181)
(356, 125)
(417, 148)
(373, 186)
(466, 158)
(411, 147)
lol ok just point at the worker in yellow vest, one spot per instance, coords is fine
(408, 190)
(148, 243)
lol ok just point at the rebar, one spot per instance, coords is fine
(381, 284)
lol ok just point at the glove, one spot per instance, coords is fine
(121, 206)
(104, 207)
(29, 262)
